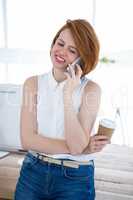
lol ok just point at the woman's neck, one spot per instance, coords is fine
(59, 75)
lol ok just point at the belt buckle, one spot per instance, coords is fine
(45, 159)
(71, 164)
(52, 160)
(40, 156)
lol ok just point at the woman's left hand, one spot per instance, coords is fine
(73, 79)
(96, 144)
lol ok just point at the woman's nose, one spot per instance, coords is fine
(63, 52)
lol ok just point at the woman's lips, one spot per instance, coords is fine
(59, 59)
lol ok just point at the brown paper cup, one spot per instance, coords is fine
(106, 127)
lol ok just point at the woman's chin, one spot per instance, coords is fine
(59, 67)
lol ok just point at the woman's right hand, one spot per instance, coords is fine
(96, 144)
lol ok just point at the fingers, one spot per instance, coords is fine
(98, 147)
(98, 142)
(101, 137)
(67, 75)
(74, 71)
(101, 143)
(79, 70)
(68, 72)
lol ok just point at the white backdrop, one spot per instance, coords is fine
(26, 31)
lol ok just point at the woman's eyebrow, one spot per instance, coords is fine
(61, 40)
(69, 45)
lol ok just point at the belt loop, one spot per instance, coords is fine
(38, 155)
(62, 166)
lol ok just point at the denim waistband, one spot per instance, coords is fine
(64, 162)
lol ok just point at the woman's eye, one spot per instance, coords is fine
(72, 51)
(60, 44)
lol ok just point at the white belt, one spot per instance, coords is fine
(66, 163)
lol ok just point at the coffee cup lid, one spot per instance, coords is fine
(108, 123)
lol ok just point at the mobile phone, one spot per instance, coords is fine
(77, 61)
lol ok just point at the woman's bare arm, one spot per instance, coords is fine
(30, 138)
(79, 126)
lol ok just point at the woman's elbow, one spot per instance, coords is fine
(77, 149)
(24, 144)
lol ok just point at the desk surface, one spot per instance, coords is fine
(9, 172)
(113, 174)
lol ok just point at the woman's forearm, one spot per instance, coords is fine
(45, 145)
(75, 136)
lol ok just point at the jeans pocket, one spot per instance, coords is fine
(29, 161)
(83, 173)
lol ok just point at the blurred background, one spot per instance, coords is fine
(27, 28)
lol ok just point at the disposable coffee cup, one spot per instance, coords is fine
(106, 127)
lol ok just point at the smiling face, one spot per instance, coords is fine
(64, 50)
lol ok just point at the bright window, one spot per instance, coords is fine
(31, 26)
(27, 28)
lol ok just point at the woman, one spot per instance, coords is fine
(57, 117)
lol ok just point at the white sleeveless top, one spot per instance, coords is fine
(50, 110)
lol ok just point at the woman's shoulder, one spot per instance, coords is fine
(92, 87)
(30, 82)
(33, 81)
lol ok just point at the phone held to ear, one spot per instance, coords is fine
(77, 61)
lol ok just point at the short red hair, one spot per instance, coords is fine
(86, 42)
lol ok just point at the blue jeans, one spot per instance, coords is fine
(41, 180)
